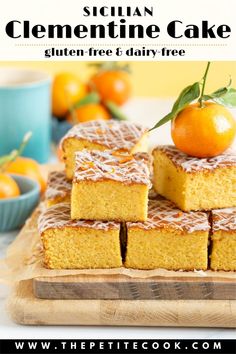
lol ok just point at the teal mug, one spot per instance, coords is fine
(25, 105)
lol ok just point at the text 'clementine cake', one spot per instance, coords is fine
(194, 183)
(110, 186)
(170, 239)
(223, 253)
(81, 244)
(102, 135)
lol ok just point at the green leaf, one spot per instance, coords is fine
(228, 99)
(218, 93)
(92, 97)
(222, 91)
(188, 95)
(6, 159)
(164, 120)
(115, 111)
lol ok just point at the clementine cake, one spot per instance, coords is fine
(102, 135)
(194, 183)
(81, 244)
(170, 239)
(110, 186)
(58, 188)
(223, 239)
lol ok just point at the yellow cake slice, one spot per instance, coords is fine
(110, 186)
(169, 239)
(81, 244)
(223, 252)
(193, 183)
(58, 188)
(102, 135)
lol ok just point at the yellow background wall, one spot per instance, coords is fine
(162, 79)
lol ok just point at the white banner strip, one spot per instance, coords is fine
(117, 30)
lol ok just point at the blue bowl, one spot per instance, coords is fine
(15, 211)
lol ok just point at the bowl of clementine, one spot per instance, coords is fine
(19, 195)
(25, 166)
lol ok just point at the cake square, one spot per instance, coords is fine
(110, 186)
(194, 183)
(223, 239)
(102, 135)
(169, 239)
(58, 188)
(80, 244)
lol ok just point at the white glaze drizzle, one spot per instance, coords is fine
(58, 216)
(105, 165)
(194, 164)
(113, 134)
(57, 185)
(163, 214)
(224, 219)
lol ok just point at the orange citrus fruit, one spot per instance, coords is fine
(8, 187)
(67, 89)
(88, 112)
(29, 168)
(203, 131)
(113, 85)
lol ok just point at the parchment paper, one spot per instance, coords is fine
(25, 261)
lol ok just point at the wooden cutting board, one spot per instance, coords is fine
(26, 309)
(121, 300)
(126, 288)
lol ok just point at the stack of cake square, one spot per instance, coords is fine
(102, 213)
(105, 183)
(207, 184)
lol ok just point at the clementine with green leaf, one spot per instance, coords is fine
(8, 186)
(203, 131)
(205, 128)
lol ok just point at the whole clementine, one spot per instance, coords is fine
(8, 187)
(29, 168)
(67, 89)
(203, 131)
(112, 85)
(88, 112)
